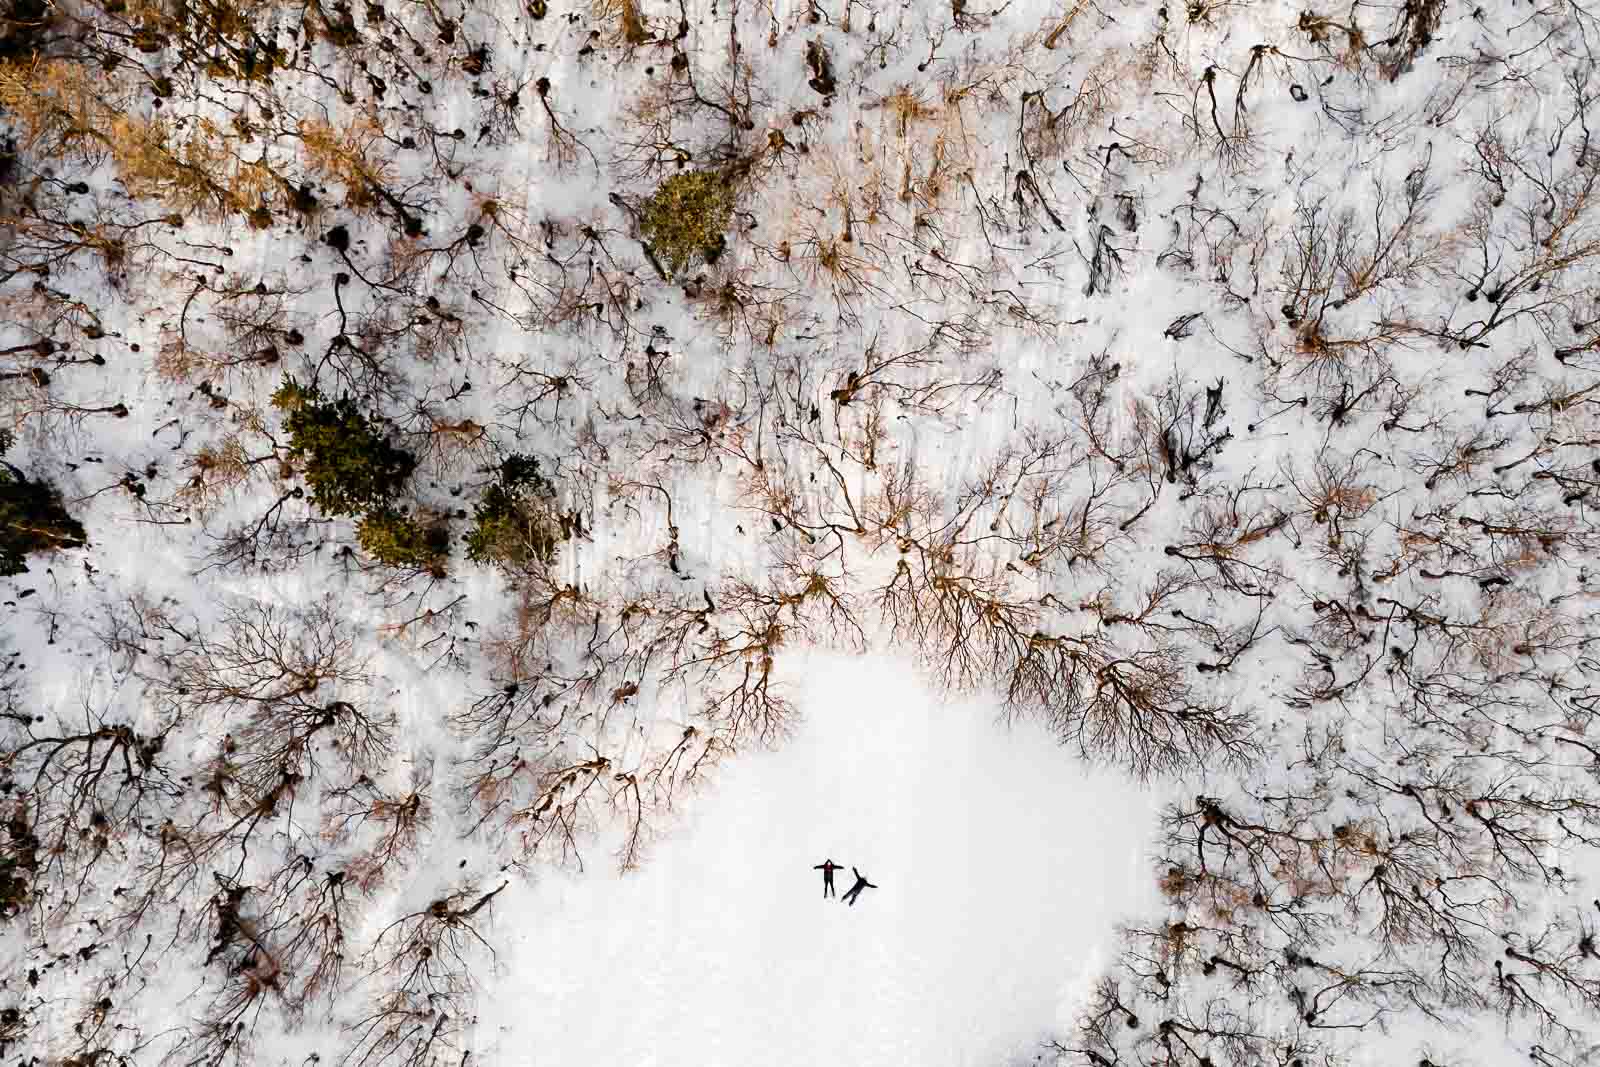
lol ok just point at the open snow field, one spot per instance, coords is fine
(1003, 866)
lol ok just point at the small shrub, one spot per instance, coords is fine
(349, 464)
(32, 517)
(396, 539)
(686, 217)
(514, 525)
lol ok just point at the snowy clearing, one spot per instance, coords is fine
(1003, 866)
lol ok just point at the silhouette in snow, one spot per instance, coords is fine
(855, 890)
(827, 867)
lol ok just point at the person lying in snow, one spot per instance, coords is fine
(827, 867)
(855, 890)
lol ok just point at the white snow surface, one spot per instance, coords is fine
(1003, 866)
(1004, 863)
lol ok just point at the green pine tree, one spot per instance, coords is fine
(685, 218)
(515, 524)
(396, 539)
(32, 517)
(349, 463)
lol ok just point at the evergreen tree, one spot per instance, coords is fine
(685, 217)
(396, 539)
(514, 524)
(32, 517)
(349, 463)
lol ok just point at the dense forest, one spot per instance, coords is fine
(429, 425)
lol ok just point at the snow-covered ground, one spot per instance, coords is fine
(1217, 381)
(1003, 867)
